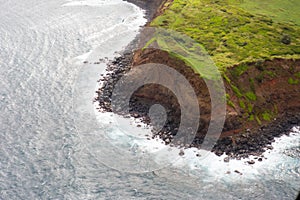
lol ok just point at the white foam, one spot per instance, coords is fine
(209, 161)
(92, 3)
(218, 167)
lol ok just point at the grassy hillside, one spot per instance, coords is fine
(278, 10)
(235, 31)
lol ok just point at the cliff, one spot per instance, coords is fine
(257, 56)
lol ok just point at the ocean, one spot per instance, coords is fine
(54, 144)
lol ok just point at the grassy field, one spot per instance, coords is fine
(237, 31)
(278, 10)
(183, 47)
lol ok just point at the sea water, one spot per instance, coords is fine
(53, 145)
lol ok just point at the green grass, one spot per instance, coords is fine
(297, 75)
(229, 102)
(251, 96)
(237, 91)
(252, 85)
(239, 70)
(271, 74)
(258, 120)
(232, 32)
(279, 10)
(292, 81)
(250, 108)
(251, 118)
(266, 116)
(242, 105)
(184, 48)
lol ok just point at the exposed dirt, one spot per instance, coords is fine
(241, 137)
(269, 81)
(252, 121)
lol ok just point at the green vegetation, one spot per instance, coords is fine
(242, 105)
(229, 102)
(293, 81)
(250, 108)
(252, 85)
(235, 33)
(271, 74)
(279, 10)
(236, 91)
(251, 96)
(239, 70)
(297, 75)
(186, 49)
(251, 118)
(258, 120)
(266, 116)
(232, 32)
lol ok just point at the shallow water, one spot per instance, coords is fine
(52, 145)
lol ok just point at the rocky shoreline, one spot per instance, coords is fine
(151, 7)
(239, 143)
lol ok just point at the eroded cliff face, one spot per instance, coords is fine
(164, 96)
(263, 98)
(265, 90)
(257, 93)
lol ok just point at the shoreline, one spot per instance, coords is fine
(241, 145)
(151, 7)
